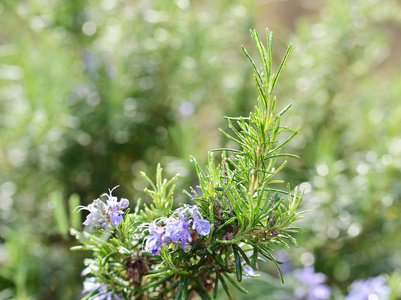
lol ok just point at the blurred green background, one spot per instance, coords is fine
(93, 92)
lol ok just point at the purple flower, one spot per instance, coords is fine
(248, 271)
(88, 270)
(312, 287)
(115, 217)
(155, 240)
(117, 297)
(96, 218)
(201, 225)
(102, 214)
(178, 230)
(90, 285)
(123, 203)
(114, 208)
(363, 289)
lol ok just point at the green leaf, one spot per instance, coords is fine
(285, 142)
(106, 258)
(153, 275)
(216, 285)
(158, 282)
(157, 271)
(237, 286)
(254, 257)
(185, 288)
(239, 249)
(201, 290)
(232, 138)
(217, 258)
(281, 67)
(75, 217)
(193, 249)
(223, 283)
(253, 63)
(59, 212)
(180, 287)
(204, 260)
(238, 266)
(263, 250)
(229, 221)
(170, 288)
(283, 111)
(85, 247)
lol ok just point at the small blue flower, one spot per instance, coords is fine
(102, 214)
(364, 289)
(114, 208)
(90, 285)
(123, 203)
(153, 245)
(96, 218)
(201, 225)
(88, 270)
(154, 241)
(248, 271)
(115, 215)
(178, 230)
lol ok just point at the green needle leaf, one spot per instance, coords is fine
(217, 258)
(158, 282)
(237, 286)
(238, 248)
(223, 283)
(238, 266)
(180, 287)
(216, 285)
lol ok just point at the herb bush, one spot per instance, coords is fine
(237, 214)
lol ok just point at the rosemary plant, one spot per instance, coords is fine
(237, 215)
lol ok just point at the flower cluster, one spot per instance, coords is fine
(176, 228)
(372, 288)
(103, 214)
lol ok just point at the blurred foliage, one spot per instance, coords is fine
(346, 83)
(93, 92)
